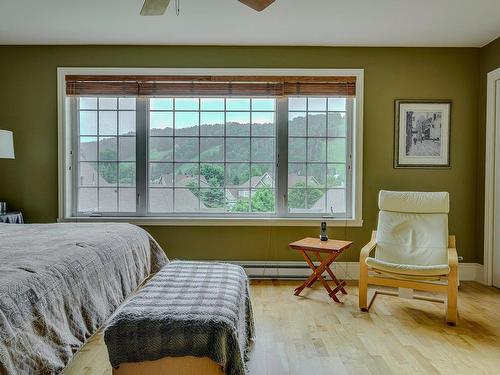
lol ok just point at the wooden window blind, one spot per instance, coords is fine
(268, 86)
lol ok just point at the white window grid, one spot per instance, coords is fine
(280, 161)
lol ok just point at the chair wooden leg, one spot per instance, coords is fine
(363, 286)
(452, 300)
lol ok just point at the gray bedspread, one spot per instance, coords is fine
(60, 282)
(199, 309)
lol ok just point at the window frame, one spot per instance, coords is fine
(68, 181)
(349, 183)
(75, 128)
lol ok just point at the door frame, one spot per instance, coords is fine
(489, 184)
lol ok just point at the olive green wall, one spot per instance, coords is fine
(28, 106)
(489, 59)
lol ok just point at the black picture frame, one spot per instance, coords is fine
(423, 161)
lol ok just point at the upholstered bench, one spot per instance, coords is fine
(190, 318)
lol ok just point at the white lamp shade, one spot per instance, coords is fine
(6, 144)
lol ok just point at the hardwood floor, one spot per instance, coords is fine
(314, 335)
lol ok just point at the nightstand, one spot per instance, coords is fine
(12, 217)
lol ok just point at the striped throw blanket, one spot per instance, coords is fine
(199, 309)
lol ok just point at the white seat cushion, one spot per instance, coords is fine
(408, 269)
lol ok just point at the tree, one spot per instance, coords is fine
(127, 173)
(213, 173)
(242, 205)
(214, 196)
(108, 171)
(262, 201)
(297, 197)
(107, 154)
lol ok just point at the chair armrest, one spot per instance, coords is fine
(368, 248)
(452, 258)
(453, 278)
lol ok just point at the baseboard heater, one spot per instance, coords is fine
(259, 271)
(278, 270)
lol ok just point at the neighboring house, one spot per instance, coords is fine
(256, 182)
(186, 180)
(89, 176)
(294, 179)
(186, 201)
(230, 198)
(335, 200)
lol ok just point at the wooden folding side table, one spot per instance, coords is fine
(331, 247)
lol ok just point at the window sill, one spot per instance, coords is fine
(230, 222)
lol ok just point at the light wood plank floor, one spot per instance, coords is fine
(314, 335)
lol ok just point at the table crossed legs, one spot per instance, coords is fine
(318, 271)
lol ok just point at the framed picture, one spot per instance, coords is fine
(422, 134)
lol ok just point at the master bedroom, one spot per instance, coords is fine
(249, 187)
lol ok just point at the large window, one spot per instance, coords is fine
(177, 154)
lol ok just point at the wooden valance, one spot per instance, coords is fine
(269, 86)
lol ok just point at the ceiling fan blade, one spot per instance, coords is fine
(154, 7)
(258, 5)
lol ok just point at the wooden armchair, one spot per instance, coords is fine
(412, 250)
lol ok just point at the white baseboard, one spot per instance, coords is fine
(343, 270)
(471, 272)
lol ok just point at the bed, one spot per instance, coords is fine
(59, 283)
